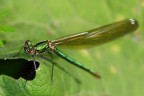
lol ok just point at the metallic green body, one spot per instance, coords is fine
(89, 38)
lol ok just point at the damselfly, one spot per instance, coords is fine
(85, 39)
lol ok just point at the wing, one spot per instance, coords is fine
(98, 36)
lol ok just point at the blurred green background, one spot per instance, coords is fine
(120, 63)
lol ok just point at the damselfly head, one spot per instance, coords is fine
(29, 48)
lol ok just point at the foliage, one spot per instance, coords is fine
(120, 63)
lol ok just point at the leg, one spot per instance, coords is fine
(35, 67)
(34, 63)
(19, 51)
(69, 74)
(53, 63)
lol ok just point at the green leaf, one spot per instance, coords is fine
(120, 63)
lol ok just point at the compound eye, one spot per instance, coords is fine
(28, 42)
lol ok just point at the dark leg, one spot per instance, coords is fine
(53, 63)
(69, 74)
(19, 51)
